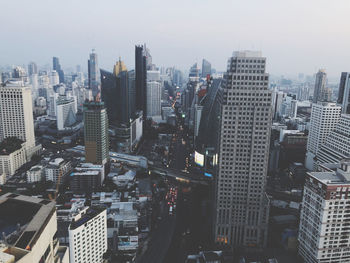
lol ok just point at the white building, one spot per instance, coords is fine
(88, 235)
(16, 113)
(324, 234)
(54, 78)
(337, 144)
(57, 169)
(242, 206)
(12, 161)
(35, 174)
(34, 240)
(153, 75)
(66, 113)
(154, 94)
(136, 131)
(324, 117)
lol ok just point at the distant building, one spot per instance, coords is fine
(57, 67)
(324, 117)
(320, 91)
(66, 113)
(93, 74)
(344, 92)
(29, 231)
(324, 223)
(154, 99)
(32, 68)
(88, 235)
(140, 80)
(96, 133)
(206, 68)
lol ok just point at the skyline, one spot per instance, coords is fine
(179, 35)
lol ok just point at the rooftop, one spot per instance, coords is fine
(22, 219)
(86, 216)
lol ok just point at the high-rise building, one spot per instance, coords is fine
(324, 117)
(344, 92)
(109, 94)
(93, 74)
(320, 91)
(29, 231)
(16, 113)
(154, 94)
(324, 218)
(57, 67)
(206, 68)
(132, 92)
(140, 80)
(337, 144)
(194, 72)
(32, 68)
(96, 133)
(54, 78)
(88, 235)
(242, 206)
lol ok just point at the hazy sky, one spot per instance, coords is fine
(295, 35)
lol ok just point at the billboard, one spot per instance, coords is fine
(199, 159)
(128, 242)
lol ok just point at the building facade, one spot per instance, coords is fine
(242, 206)
(88, 235)
(154, 94)
(66, 113)
(324, 117)
(324, 234)
(344, 92)
(96, 133)
(93, 74)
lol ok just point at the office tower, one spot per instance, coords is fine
(93, 74)
(132, 92)
(19, 73)
(115, 93)
(57, 67)
(29, 227)
(324, 218)
(206, 68)
(303, 93)
(242, 206)
(52, 109)
(88, 235)
(140, 80)
(154, 94)
(54, 78)
(65, 113)
(278, 97)
(344, 92)
(109, 94)
(294, 109)
(32, 68)
(16, 113)
(337, 144)
(153, 75)
(320, 90)
(194, 72)
(96, 133)
(324, 117)
(148, 57)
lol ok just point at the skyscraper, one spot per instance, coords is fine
(57, 67)
(242, 206)
(16, 113)
(32, 68)
(206, 68)
(320, 91)
(324, 117)
(96, 133)
(344, 92)
(132, 92)
(140, 80)
(154, 94)
(93, 73)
